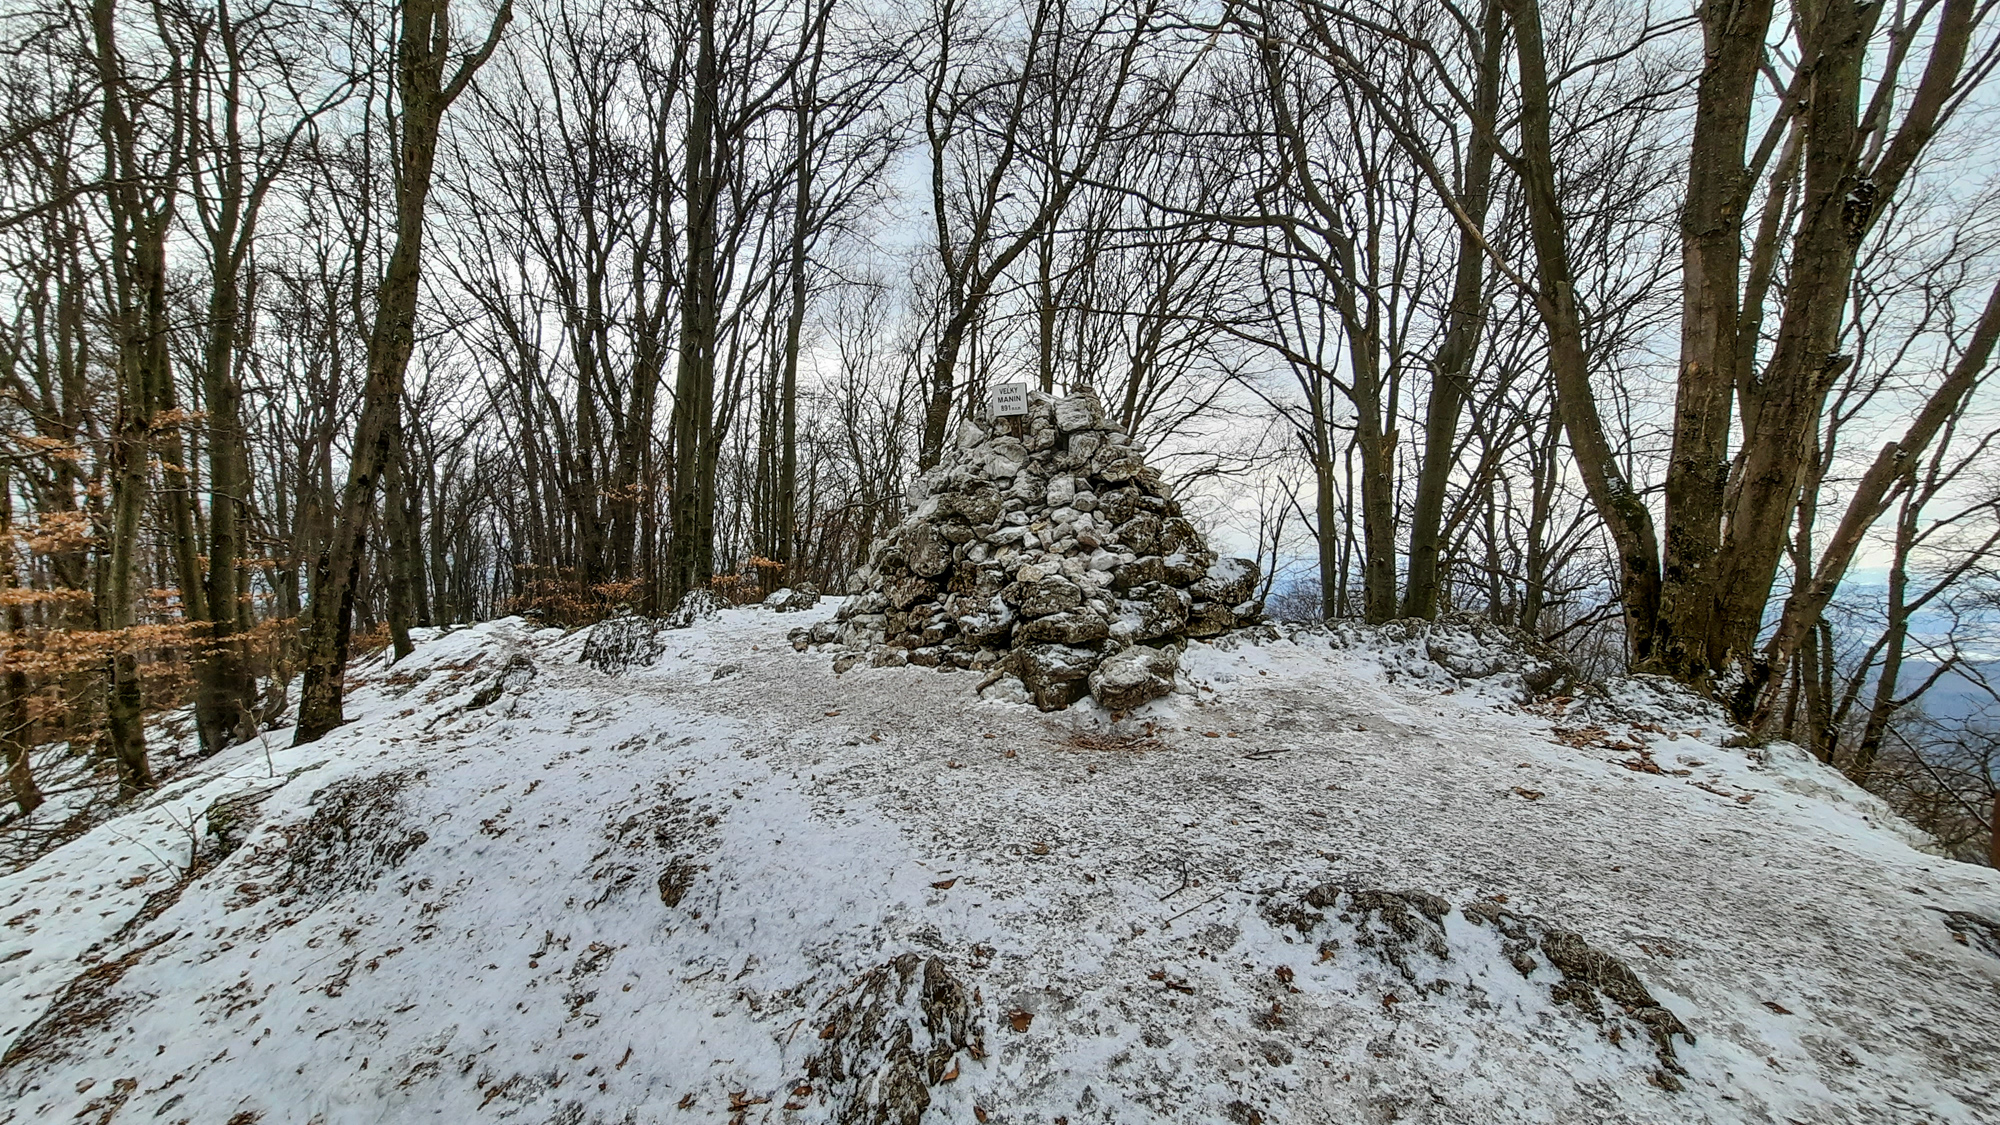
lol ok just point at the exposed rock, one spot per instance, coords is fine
(1228, 581)
(1470, 648)
(512, 678)
(1138, 572)
(620, 643)
(888, 1038)
(1054, 594)
(790, 599)
(1162, 613)
(1405, 931)
(1137, 675)
(1070, 627)
(1473, 647)
(1209, 619)
(1589, 977)
(1056, 675)
(695, 605)
(1047, 548)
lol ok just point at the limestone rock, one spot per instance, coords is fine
(791, 599)
(1053, 594)
(1210, 619)
(1069, 627)
(1055, 675)
(618, 644)
(1137, 675)
(695, 605)
(1078, 412)
(1228, 581)
(1045, 547)
(927, 550)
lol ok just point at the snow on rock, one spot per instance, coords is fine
(1038, 548)
(1459, 649)
(1310, 885)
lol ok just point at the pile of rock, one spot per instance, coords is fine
(1044, 547)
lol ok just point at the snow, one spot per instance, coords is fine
(450, 912)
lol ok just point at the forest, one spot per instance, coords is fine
(1660, 331)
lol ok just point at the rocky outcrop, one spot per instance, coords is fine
(791, 599)
(1044, 547)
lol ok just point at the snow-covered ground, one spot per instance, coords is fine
(735, 886)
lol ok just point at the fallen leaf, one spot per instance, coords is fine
(978, 1114)
(1530, 794)
(741, 1100)
(1777, 1007)
(1019, 1019)
(686, 1102)
(831, 714)
(945, 884)
(1211, 734)
(950, 1074)
(1038, 848)
(1010, 754)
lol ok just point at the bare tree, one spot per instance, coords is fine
(424, 91)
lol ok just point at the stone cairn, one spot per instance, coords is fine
(1045, 548)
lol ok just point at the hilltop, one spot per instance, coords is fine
(1335, 876)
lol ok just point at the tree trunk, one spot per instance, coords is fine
(1711, 260)
(402, 562)
(691, 545)
(787, 498)
(139, 280)
(17, 739)
(1624, 513)
(944, 366)
(1451, 371)
(226, 691)
(423, 48)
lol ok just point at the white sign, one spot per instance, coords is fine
(1008, 400)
